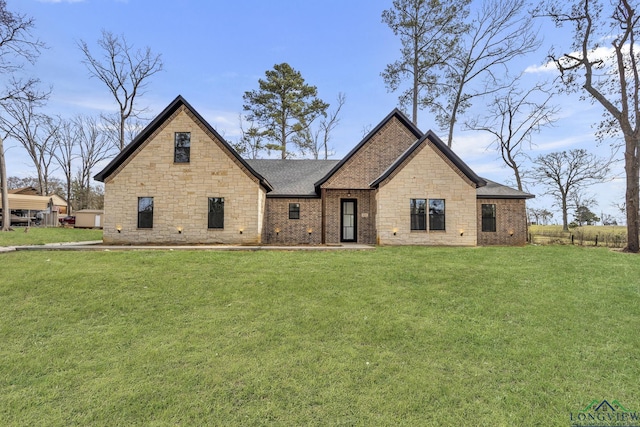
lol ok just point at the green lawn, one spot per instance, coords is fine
(393, 336)
(42, 235)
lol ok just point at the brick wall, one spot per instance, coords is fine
(365, 215)
(426, 175)
(181, 191)
(366, 165)
(292, 231)
(510, 217)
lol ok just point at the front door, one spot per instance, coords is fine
(348, 224)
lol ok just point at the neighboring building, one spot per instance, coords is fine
(27, 208)
(179, 181)
(89, 218)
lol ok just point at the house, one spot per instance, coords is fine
(180, 182)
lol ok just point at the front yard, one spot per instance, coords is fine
(392, 336)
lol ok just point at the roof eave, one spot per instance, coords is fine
(157, 122)
(395, 113)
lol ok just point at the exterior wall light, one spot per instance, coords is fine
(119, 228)
(277, 231)
(179, 228)
(241, 230)
(511, 233)
(395, 231)
(461, 232)
(309, 230)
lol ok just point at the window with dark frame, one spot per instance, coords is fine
(294, 210)
(182, 147)
(418, 214)
(145, 212)
(489, 217)
(216, 212)
(436, 214)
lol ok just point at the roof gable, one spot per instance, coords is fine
(439, 146)
(395, 114)
(123, 157)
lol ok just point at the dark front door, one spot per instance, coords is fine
(348, 225)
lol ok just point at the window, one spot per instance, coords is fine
(182, 147)
(294, 210)
(418, 214)
(489, 218)
(436, 214)
(216, 212)
(145, 212)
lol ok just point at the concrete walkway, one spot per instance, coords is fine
(98, 246)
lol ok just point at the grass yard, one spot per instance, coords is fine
(408, 336)
(42, 235)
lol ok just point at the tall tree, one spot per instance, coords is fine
(284, 106)
(250, 143)
(429, 32)
(93, 147)
(65, 154)
(512, 119)
(315, 141)
(125, 72)
(565, 174)
(612, 80)
(36, 132)
(501, 31)
(16, 45)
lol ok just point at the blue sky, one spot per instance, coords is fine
(214, 51)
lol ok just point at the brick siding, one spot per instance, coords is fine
(366, 165)
(510, 217)
(293, 231)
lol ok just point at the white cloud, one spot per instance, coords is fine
(603, 53)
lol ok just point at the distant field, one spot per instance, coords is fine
(405, 336)
(607, 235)
(42, 235)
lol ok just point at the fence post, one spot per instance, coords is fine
(596, 240)
(572, 239)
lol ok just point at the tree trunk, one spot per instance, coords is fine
(5, 191)
(121, 136)
(565, 216)
(632, 195)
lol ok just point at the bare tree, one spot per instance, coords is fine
(16, 45)
(428, 31)
(65, 154)
(512, 119)
(501, 31)
(111, 124)
(125, 72)
(251, 143)
(613, 82)
(318, 139)
(36, 132)
(93, 147)
(566, 174)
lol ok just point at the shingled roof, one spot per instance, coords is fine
(493, 190)
(293, 178)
